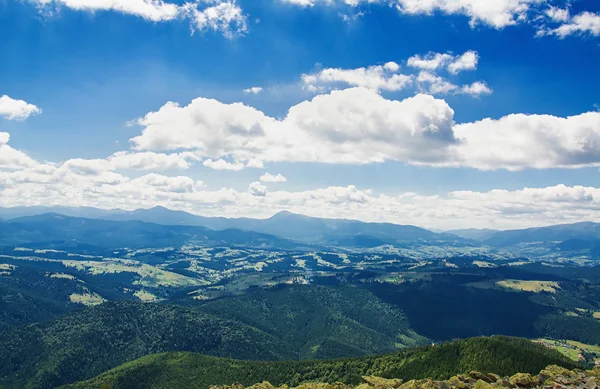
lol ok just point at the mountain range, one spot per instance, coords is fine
(282, 230)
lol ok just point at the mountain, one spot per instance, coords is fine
(321, 322)
(88, 212)
(582, 231)
(474, 233)
(505, 356)
(54, 230)
(287, 225)
(302, 228)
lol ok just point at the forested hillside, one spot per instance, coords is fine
(505, 356)
(297, 322)
(86, 343)
(322, 322)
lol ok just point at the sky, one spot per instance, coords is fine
(439, 113)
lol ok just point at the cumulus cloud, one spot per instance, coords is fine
(358, 126)
(431, 61)
(11, 158)
(128, 160)
(380, 77)
(513, 142)
(211, 127)
(387, 77)
(268, 177)
(221, 164)
(477, 88)
(254, 90)
(453, 63)
(467, 61)
(355, 125)
(45, 184)
(257, 189)
(496, 14)
(585, 23)
(12, 109)
(223, 16)
(521, 141)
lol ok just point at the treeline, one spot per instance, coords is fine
(502, 355)
(582, 329)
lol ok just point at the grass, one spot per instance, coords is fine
(530, 286)
(570, 348)
(151, 276)
(145, 296)
(88, 298)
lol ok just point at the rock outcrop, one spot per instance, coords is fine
(552, 377)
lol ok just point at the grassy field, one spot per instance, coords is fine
(530, 286)
(570, 348)
(88, 298)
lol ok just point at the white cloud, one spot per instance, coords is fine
(522, 141)
(211, 127)
(497, 13)
(558, 14)
(254, 90)
(11, 158)
(467, 61)
(431, 61)
(12, 109)
(224, 16)
(45, 184)
(128, 160)
(477, 88)
(257, 189)
(386, 77)
(493, 13)
(434, 84)
(221, 164)
(514, 141)
(585, 23)
(358, 126)
(354, 125)
(373, 77)
(268, 177)
(391, 66)
(453, 63)
(255, 163)
(437, 85)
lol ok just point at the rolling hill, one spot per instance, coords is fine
(322, 322)
(292, 323)
(87, 342)
(502, 355)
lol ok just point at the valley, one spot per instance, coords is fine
(80, 296)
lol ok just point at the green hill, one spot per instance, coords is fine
(291, 323)
(85, 343)
(502, 355)
(322, 322)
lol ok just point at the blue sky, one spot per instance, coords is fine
(94, 72)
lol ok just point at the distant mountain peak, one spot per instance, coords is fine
(285, 214)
